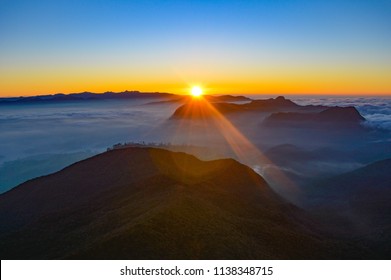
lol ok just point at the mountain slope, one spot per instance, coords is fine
(370, 178)
(146, 203)
(333, 115)
(364, 189)
(361, 200)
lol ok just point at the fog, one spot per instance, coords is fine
(36, 134)
(33, 129)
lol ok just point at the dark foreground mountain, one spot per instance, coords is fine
(359, 203)
(366, 192)
(147, 203)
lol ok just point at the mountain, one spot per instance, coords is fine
(148, 203)
(362, 199)
(281, 111)
(169, 97)
(14, 172)
(85, 96)
(277, 103)
(202, 108)
(186, 99)
(333, 115)
(371, 179)
(226, 98)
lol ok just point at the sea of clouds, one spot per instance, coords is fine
(34, 129)
(376, 110)
(38, 139)
(33, 134)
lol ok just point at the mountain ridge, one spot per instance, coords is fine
(280, 110)
(109, 95)
(335, 115)
(148, 203)
(85, 96)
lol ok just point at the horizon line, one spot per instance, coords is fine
(232, 93)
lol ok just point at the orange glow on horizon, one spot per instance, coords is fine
(27, 82)
(31, 86)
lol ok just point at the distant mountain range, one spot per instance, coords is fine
(335, 115)
(196, 108)
(117, 95)
(148, 203)
(280, 111)
(85, 96)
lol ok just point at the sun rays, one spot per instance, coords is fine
(200, 119)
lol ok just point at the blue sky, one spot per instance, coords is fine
(169, 43)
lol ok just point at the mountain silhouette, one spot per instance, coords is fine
(369, 183)
(184, 99)
(148, 203)
(204, 108)
(334, 115)
(362, 199)
(82, 96)
(85, 96)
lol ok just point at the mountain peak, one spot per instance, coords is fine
(148, 203)
(332, 115)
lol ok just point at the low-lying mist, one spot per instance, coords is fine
(290, 158)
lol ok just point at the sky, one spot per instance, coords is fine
(281, 46)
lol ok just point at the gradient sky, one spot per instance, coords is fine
(280, 46)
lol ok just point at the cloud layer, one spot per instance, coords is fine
(33, 129)
(28, 131)
(377, 110)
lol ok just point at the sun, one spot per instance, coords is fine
(196, 91)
